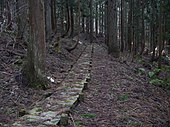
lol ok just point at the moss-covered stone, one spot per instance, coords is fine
(35, 111)
(64, 119)
(17, 124)
(22, 112)
(81, 97)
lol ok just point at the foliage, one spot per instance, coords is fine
(88, 115)
(39, 85)
(156, 80)
(140, 71)
(78, 122)
(152, 74)
(124, 97)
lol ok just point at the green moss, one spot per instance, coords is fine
(32, 78)
(35, 111)
(57, 46)
(22, 112)
(39, 85)
(64, 119)
(67, 101)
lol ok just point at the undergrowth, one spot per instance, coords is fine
(157, 76)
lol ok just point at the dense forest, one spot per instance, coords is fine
(85, 63)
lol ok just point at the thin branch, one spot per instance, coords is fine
(72, 120)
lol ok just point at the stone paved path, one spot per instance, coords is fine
(54, 109)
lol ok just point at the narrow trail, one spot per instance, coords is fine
(54, 109)
(118, 97)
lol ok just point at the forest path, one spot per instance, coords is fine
(118, 97)
(54, 109)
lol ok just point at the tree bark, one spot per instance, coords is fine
(53, 15)
(143, 28)
(113, 47)
(130, 26)
(37, 47)
(160, 35)
(48, 18)
(96, 23)
(21, 17)
(71, 18)
(91, 21)
(122, 25)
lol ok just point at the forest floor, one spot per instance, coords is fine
(16, 97)
(119, 93)
(117, 96)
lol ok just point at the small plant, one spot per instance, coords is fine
(157, 71)
(151, 74)
(88, 115)
(78, 122)
(167, 80)
(124, 97)
(166, 69)
(157, 81)
(141, 71)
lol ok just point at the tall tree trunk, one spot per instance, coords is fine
(21, 17)
(8, 16)
(53, 15)
(113, 48)
(130, 26)
(122, 26)
(96, 20)
(79, 18)
(83, 24)
(37, 48)
(1, 7)
(106, 23)
(71, 18)
(100, 19)
(48, 19)
(126, 25)
(143, 29)
(87, 24)
(160, 35)
(102, 22)
(91, 21)
(62, 19)
(67, 19)
(104, 13)
(153, 28)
